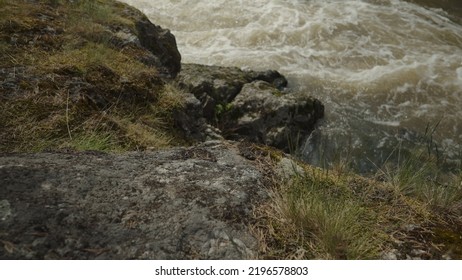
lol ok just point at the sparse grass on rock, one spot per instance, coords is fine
(73, 77)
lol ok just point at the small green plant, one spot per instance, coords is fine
(220, 109)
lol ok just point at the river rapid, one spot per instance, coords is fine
(389, 72)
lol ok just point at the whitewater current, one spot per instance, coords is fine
(389, 72)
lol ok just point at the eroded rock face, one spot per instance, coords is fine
(177, 204)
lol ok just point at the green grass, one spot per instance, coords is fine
(332, 221)
(95, 54)
(33, 124)
(96, 10)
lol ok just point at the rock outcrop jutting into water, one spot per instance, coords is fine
(248, 105)
(384, 69)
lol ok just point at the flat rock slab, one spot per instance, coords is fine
(182, 203)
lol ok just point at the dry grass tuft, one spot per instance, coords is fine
(318, 214)
(323, 214)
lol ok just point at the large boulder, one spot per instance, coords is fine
(181, 203)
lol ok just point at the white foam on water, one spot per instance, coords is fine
(386, 123)
(350, 41)
(391, 61)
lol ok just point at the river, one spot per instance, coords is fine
(389, 72)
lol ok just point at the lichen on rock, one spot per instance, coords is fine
(180, 203)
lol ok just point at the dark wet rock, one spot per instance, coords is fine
(162, 44)
(263, 114)
(193, 119)
(181, 203)
(270, 76)
(5, 210)
(190, 119)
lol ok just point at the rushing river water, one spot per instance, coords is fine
(385, 70)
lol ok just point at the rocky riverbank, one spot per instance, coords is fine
(111, 148)
(59, 81)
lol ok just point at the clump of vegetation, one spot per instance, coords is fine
(68, 83)
(419, 176)
(326, 214)
(315, 216)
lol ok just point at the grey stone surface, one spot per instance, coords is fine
(182, 203)
(222, 84)
(263, 114)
